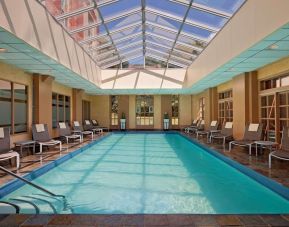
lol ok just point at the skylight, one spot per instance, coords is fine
(143, 33)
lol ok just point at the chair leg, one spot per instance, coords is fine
(41, 147)
(60, 146)
(270, 157)
(230, 146)
(224, 141)
(67, 140)
(250, 150)
(17, 161)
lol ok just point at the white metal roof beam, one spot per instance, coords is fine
(143, 5)
(193, 37)
(117, 41)
(180, 19)
(175, 50)
(172, 41)
(206, 9)
(75, 12)
(164, 60)
(166, 53)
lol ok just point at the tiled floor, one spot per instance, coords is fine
(279, 172)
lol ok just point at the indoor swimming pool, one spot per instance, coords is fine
(153, 173)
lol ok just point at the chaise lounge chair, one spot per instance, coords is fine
(41, 136)
(225, 134)
(200, 127)
(95, 124)
(282, 153)
(89, 127)
(193, 125)
(5, 152)
(78, 129)
(65, 132)
(253, 132)
(213, 128)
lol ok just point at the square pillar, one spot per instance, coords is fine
(77, 95)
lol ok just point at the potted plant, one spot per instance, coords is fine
(122, 121)
(166, 121)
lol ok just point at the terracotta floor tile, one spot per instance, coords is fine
(14, 220)
(204, 220)
(275, 220)
(155, 220)
(134, 220)
(251, 220)
(180, 220)
(228, 220)
(37, 220)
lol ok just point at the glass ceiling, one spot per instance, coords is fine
(143, 33)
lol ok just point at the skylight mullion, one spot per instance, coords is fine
(143, 5)
(131, 57)
(122, 15)
(176, 31)
(129, 45)
(110, 64)
(112, 32)
(117, 41)
(75, 12)
(106, 2)
(180, 29)
(106, 28)
(179, 19)
(177, 63)
(84, 28)
(206, 9)
(93, 38)
(108, 59)
(131, 51)
(158, 51)
(100, 56)
(172, 41)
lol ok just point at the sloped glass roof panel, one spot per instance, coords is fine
(118, 7)
(229, 6)
(167, 7)
(206, 18)
(163, 21)
(174, 32)
(161, 32)
(124, 21)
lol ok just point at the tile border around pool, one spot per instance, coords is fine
(16, 183)
(265, 181)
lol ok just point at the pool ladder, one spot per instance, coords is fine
(31, 200)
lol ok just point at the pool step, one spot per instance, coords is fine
(34, 204)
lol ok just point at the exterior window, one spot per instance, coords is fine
(8, 90)
(225, 104)
(60, 109)
(201, 108)
(114, 110)
(175, 109)
(85, 110)
(20, 108)
(144, 110)
(276, 82)
(268, 105)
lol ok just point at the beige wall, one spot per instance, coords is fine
(100, 109)
(158, 115)
(275, 69)
(185, 113)
(132, 116)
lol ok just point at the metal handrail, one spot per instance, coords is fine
(65, 203)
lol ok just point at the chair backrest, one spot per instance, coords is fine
(285, 138)
(253, 132)
(214, 125)
(94, 122)
(77, 126)
(195, 122)
(64, 129)
(4, 139)
(40, 132)
(227, 130)
(201, 125)
(87, 125)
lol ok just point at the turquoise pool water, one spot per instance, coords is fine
(154, 173)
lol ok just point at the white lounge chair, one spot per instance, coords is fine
(5, 152)
(41, 136)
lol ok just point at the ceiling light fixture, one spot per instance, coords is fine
(2, 50)
(273, 47)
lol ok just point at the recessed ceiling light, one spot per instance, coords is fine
(2, 50)
(273, 47)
